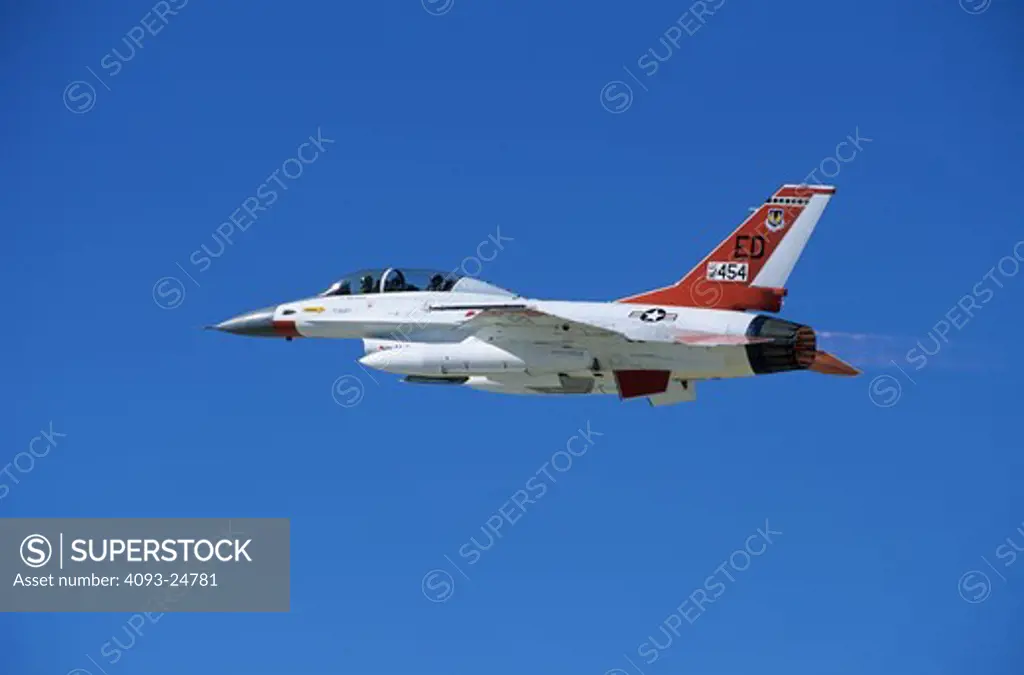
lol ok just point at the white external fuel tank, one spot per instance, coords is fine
(472, 356)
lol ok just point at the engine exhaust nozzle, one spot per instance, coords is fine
(793, 346)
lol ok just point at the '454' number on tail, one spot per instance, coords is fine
(727, 271)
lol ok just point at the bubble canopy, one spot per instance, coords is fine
(406, 280)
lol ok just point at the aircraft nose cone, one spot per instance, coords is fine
(258, 323)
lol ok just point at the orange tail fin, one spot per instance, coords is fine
(750, 268)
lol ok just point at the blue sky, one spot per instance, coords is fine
(448, 122)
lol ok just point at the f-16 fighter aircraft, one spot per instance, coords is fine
(443, 328)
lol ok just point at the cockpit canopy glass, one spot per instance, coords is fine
(394, 279)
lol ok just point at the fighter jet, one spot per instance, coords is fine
(436, 327)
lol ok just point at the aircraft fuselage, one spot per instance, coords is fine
(429, 337)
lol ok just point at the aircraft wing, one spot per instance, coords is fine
(545, 324)
(524, 317)
(529, 323)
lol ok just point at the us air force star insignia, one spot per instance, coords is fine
(652, 315)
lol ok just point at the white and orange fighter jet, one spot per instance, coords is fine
(442, 328)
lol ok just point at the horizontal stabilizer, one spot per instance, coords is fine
(826, 364)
